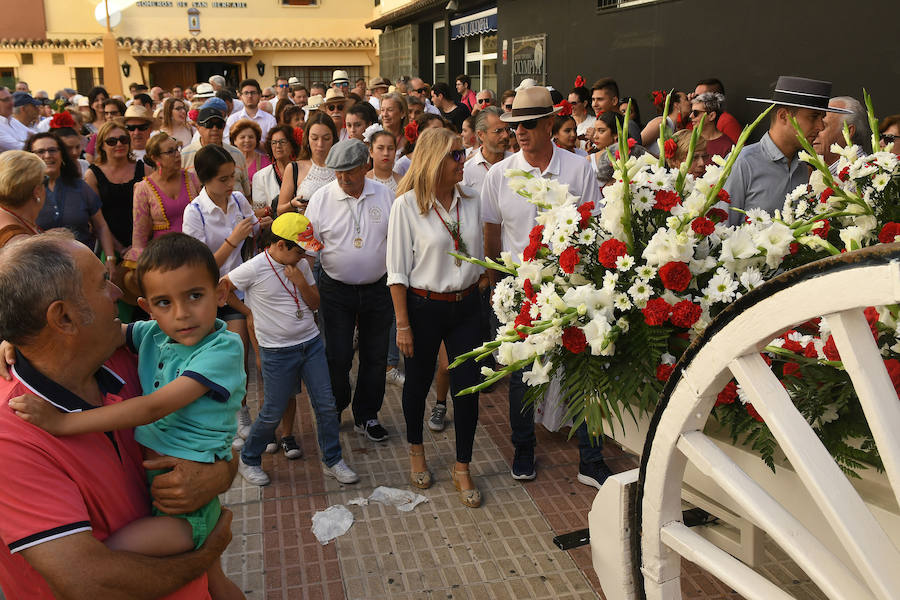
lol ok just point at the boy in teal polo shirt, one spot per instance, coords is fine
(191, 370)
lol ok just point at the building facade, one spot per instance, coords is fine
(52, 44)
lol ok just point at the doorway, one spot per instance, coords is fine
(230, 71)
(185, 74)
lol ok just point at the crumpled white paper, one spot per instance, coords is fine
(332, 522)
(359, 501)
(404, 500)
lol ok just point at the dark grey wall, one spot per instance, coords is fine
(745, 43)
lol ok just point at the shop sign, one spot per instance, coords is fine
(529, 58)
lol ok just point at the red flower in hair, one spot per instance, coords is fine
(411, 132)
(579, 81)
(670, 147)
(298, 135)
(193, 114)
(62, 119)
(658, 97)
(566, 108)
(631, 143)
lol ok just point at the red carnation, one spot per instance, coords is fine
(531, 250)
(657, 311)
(193, 114)
(529, 289)
(523, 318)
(810, 351)
(766, 358)
(822, 229)
(675, 275)
(62, 119)
(411, 131)
(609, 251)
(703, 226)
(717, 215)
(568, 259)
(536, 233)
(889, 232)
(565, 108)
(663, 372)
(585, 211)
(844, 175)
(723, 196)
(830, 350)
(752, 412)
(685, 314)
(579, 81)
(665, 200)
(631, 143)
(791, 369)
(658, 97)
(670, 146)
(826, 194)
(573, 339)
(728, 394)
(794, 247)
(893, 368)
(792, 345)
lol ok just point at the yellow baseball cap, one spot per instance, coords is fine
(296, 228)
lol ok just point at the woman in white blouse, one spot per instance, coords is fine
(282, 148)
(436, 295)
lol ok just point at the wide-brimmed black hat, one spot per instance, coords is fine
(802, 93)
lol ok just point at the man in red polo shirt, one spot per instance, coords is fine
(727, 124)
(61, 497)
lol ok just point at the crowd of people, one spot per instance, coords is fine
(151, 245)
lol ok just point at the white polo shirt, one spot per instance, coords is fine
(418, 245)
(262, 118)
(274, 310)
(515, 214)
(476, 168)
(335, 218)
(206, 222)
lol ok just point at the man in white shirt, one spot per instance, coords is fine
(8, 140)
(508, 219)
(350, 217)
(418, 88)
(494, 137)
(25, 114)
(139, 123)
(251, 94)
(210, 123)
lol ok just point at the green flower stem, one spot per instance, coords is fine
(813, 241)
(488, 264)
(498, 375)
(686, 165)
(663, 133)
(626, 179)
(805, 360)
(873, 121)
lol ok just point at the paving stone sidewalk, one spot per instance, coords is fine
(440, 550)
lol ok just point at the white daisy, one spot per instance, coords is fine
(624, 262)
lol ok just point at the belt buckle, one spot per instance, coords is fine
(459, 296)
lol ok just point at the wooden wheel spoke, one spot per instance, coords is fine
(872, 552)
(829, 573)
(876, 393)
(744, 580)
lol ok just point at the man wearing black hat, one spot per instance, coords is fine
(350, 217)
(767, 171)
(210, 126)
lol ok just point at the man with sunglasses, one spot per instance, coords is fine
(139, 125)
(282, 88)
(251, 94)
(483, 99)
(334, 105)
(210, 126)
(419, 89)
(508, 219)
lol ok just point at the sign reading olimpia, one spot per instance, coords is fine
(529, 58)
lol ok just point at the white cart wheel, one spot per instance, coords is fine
(860, 561)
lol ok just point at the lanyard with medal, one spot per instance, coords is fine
(294, 295)
(357, 241)
(454, 230)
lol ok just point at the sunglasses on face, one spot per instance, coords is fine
(889, 138)
(112, 113)
(217, 124)
(173, 151)
(507, 107)
(113, 141)
(457, 155)
(143, 127)
(282, 85)
(530, 123)
(484, 101)
(421, 90)
(697, 113)
(335, 107)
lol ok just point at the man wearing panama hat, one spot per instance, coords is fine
(281, 293)
(508, 219)
(767, 171)
(335, 104)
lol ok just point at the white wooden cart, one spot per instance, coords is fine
(844, 534)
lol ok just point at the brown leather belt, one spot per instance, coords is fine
(444, 296)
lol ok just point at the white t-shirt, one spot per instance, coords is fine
(206, 222)
(476, 168)
(514, 214)
(274, 310)
(335, 217)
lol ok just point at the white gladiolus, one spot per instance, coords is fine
(539, 373)
(597, 332)
(776, 240)
(667, 245)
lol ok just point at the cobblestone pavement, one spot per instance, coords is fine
(440, 550)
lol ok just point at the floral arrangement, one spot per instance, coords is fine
(607, 300)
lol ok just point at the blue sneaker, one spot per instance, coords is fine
(523, 464)
(593, 474)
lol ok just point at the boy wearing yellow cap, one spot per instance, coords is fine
(281, 293)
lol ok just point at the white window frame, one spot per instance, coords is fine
(435, 58)
(479, 56)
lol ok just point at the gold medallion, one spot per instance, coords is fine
(358, 242)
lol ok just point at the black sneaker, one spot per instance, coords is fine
(593, 474)
(290, 447)
(372, 430)
(523, 464)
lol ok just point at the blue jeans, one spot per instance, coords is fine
(393, 350)
(368, 307)
(282, 369)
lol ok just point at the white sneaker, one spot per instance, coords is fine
(238, 442)
(244, 422)
(394, 376)
(272, 447)
(254, 475)
(438, 412)
(341, 472)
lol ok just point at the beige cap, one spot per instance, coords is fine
(138, 112)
